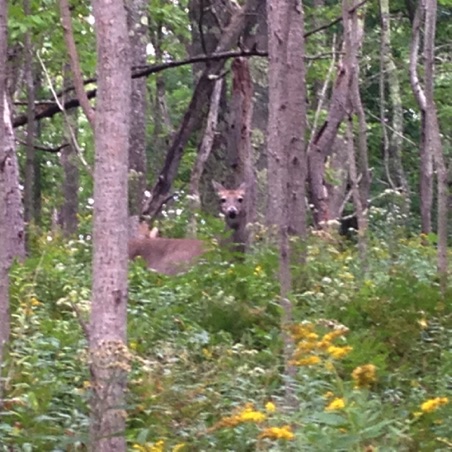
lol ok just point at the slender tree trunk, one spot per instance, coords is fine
(433, 137)
(296, 127)
(203, 154)
(426, 172)
(108, 350)
(4, 259)
(138, 33)
(69, 162)
(29, 181)
(11, 190)
(389, 73)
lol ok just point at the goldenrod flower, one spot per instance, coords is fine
(336, 404)
(270, 407)
(364, 376)
(302, 331)
(284, 432)
(250, 415)
(309, 361)
(433, 404)
(338, 352)
(246, 414)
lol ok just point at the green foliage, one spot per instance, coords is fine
(207, 351)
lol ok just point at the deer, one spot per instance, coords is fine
(170, 256)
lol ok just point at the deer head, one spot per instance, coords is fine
(232, 204)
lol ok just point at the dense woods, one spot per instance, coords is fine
(280, 169)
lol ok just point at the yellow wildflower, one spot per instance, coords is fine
(339, 352)
(133, 345)
(328, 395)
(302, 331)
(284, 432)
(336, 404)
(364, 376)
(139, 447)
(246, 414)
(35, 302)
(258, 270)
(270, 407)
(179, 447)
(433, 404)
(250, 415)
(309, 361)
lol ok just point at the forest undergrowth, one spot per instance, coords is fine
(372, 351)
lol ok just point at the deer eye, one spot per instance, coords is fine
(223, 200)
(240, 200)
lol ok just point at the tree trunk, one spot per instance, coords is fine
(203, 154)
(282, 19)
(69, 162)
(29, 181)
(433, 137)
(138, 33)
(394, 142)
(240, 151)
(4, 260)
(296, 126)
(426, 170)
(11, 190)
(108, 350)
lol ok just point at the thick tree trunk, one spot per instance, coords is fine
(240, 151)
(108, 350)
(284, 65)
(138, 33)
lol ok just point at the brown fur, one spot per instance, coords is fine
(167, 256)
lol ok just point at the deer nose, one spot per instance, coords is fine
(232, 212)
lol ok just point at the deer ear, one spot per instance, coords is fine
(242, 186)
(217, 187)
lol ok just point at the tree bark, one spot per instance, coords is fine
(75, 63)
(296, 126)
(240, 151)
(29, 180)
(69, 163)
(433, 137)
(108, 350)
(389, 72)
(282, 21)
(138, 33)
(426, 170)
(4, 260)
(203, 154)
